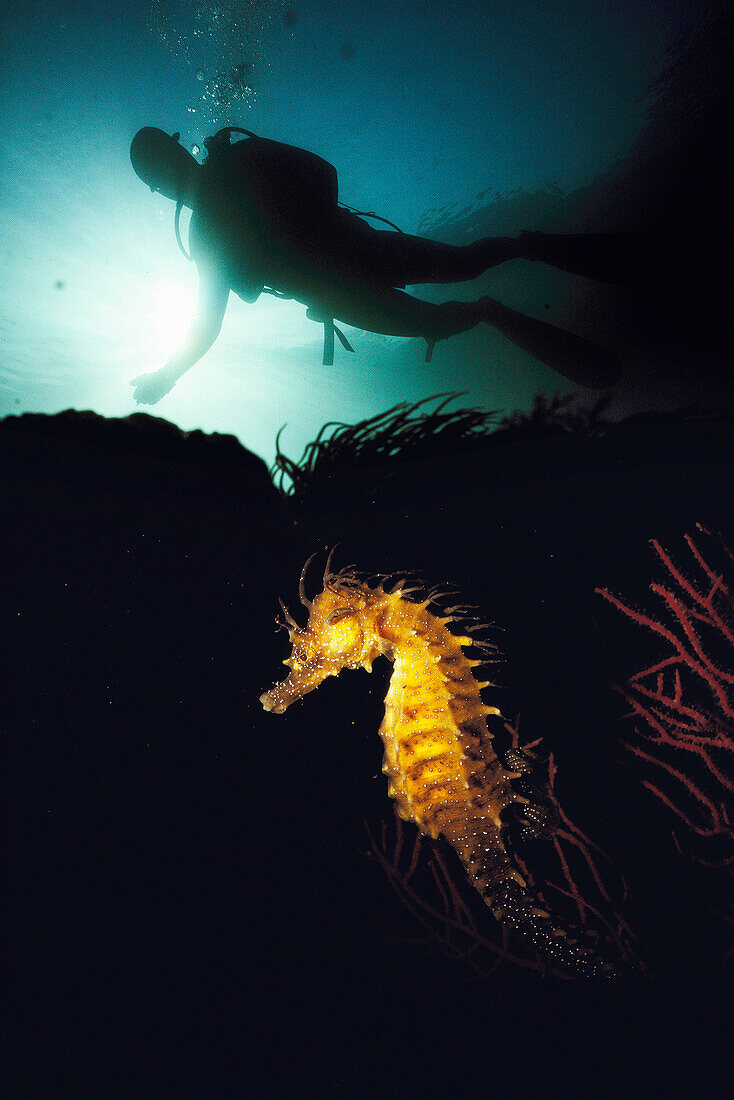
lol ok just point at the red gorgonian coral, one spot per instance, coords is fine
(684, 700)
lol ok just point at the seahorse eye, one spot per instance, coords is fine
(301, 646)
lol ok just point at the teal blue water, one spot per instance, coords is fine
(428, 110)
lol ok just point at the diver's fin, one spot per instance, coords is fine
(634, 260)
(576, 358)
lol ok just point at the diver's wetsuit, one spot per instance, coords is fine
(324, 256)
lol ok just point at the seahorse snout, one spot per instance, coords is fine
(271, 703)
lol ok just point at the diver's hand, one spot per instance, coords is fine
(151, 387)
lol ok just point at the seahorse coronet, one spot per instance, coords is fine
(442, 769)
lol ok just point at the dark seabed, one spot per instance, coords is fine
(190, 894)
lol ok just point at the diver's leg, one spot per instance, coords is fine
(394, 313)
(391, 312)
(625, 259)
(400, 259)
(419, 260)
(575, 358)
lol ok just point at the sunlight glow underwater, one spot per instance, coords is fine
(170, 309)
(94, 291)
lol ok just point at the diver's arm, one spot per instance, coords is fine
(206, 326)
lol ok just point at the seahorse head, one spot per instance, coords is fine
(338, 635)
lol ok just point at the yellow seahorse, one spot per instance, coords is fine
(442, 769)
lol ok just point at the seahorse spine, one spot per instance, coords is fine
(439, 760)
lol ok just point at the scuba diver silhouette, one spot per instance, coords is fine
(266, 217)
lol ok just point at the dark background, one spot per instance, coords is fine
(191, 902)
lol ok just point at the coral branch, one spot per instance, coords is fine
(685, 699)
